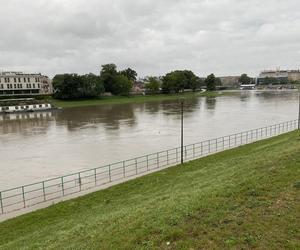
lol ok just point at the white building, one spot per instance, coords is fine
(18, 83)
(281, 75)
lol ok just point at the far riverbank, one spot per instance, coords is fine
(131, 99)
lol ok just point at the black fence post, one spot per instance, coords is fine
(1, 203)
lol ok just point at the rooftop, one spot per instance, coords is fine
(18, 73)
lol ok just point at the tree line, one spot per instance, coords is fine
(74, 86)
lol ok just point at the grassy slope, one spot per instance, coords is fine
(124, 100)
(243, 198)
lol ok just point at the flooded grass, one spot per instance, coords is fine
(243, 198)
(130, 99)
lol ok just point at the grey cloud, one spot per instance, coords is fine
(221, 36)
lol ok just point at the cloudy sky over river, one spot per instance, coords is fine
(153, 37)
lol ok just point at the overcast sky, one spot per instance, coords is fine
(225, 37)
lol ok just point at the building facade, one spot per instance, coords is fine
(18, 83)
(230, 81)
(281, 75)
(294, 75)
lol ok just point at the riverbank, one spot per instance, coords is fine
(242, 198)
(130, 99)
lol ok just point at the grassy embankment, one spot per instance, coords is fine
(243, 198)
(130, 99)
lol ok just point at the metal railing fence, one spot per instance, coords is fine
(56, 188)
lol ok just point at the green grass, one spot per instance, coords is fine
(125, 100)
(245, 198)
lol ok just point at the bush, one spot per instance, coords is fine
(73, 86)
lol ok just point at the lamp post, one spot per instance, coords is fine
(182, 105)
(299, 111)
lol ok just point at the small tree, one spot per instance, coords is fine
(245, 79)
(130, 74)
(122, 85)
(210, 82)
(152, 84)
(107, 75)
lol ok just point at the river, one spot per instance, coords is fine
(38, 146)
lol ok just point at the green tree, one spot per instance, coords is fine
(179, 80)
(73, 86)
(211, 82)
(122, 85)
(191, 81)
(130, 74)
(152, 84)
(92, 85)
(284, 80)
(118, 83)
(108, 74)
(245, 79)
(172, 82)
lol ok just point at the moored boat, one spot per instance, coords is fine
(26, 108)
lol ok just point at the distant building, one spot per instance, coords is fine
(230, 81)
(18, 83)
(138, 87)
(294, 75)
(282, 76)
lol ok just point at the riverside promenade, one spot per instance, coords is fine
(20, 200)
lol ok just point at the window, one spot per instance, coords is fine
(15, 86)
(19, 79)
(24, 79)
(38, 85)
(15, 79)
(1, 86)
(16, 107)
(40, 105)
(28, 79)
(33, 85)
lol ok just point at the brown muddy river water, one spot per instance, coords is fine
(38, 146)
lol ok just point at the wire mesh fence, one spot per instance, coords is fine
(56, 188)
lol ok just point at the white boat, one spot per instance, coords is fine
(247, 86)
(26, 108)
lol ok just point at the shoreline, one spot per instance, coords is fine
(111, 100)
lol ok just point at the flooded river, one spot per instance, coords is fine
(38, 146)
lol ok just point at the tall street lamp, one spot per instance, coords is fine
(299, 110)
(182, 105)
